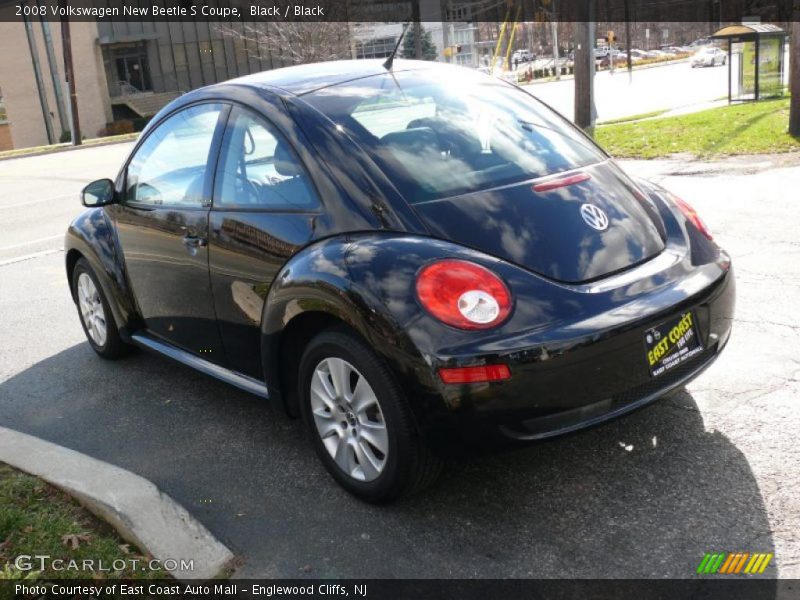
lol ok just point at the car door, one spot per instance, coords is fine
(162, 224)
(264, 210)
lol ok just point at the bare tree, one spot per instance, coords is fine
(293, 42)
(794, 111)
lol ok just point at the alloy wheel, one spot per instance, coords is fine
(349, 419)
(91, 307)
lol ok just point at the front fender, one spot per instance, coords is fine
(92, 236)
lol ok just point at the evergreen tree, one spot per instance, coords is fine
(428, 48)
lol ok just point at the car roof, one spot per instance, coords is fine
(301, 79)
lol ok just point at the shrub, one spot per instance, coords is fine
(140, 123)
(119, 127)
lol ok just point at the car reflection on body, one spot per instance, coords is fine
(410, 258)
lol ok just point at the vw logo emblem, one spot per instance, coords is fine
(594, 217)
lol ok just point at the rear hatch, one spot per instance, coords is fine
(570, 233)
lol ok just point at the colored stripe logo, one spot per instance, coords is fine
(731, 563)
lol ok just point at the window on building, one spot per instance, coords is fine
(375, 48)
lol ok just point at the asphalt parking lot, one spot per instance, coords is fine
(714, 467)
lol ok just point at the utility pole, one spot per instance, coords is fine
(554, 25)
(584, 71)
(628, 39)
(417, 30)
(37, 74)
(66, 42)
(54, 78)
(794, 74)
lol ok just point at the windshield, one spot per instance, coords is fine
(447, 132)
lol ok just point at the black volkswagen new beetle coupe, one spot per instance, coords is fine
(408, 258)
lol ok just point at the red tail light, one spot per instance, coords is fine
(691, 214)
(463, 294)
(480, 374)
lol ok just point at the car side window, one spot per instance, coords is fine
(259, 170)
(169, 168)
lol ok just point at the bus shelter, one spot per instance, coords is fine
(756, 60)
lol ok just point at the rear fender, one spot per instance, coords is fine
(318, 281)
(368, 281)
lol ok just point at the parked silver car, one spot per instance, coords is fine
(521, 56)
(709, 57)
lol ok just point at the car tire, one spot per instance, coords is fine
(95, 314)
(391, 459)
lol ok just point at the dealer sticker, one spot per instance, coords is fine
(671, 343)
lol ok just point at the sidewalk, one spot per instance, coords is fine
(692, 108)
(673, 112)
(137, 509)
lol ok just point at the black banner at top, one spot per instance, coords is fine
(276, 11)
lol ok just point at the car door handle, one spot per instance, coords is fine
(192, 241)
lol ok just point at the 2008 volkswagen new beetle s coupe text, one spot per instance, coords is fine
(406, 258)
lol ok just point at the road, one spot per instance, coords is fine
(650, 89)
(711, 468)
(39, 196)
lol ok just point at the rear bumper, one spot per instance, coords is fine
(564, 422)
(566, 384)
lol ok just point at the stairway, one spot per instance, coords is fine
(146, 104)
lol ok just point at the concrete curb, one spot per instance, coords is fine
(66, 148)
(137, 509)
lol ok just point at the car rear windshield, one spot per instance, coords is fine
(447, 132)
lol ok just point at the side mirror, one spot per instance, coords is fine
(98, 193)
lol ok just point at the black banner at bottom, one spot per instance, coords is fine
(409, 589)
